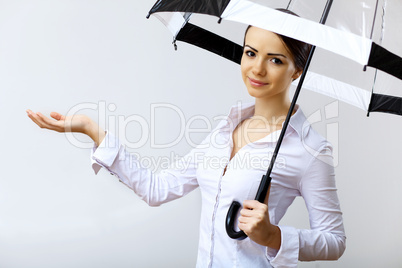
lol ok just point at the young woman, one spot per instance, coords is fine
(244, 140)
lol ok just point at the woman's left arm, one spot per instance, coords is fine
(326, 238)
(287, 245)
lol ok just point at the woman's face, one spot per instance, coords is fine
(267, 66)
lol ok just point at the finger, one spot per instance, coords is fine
(57, 125)
(249, 221)
(45, 122)
(255, 213)
(244, 227)
(30, 113)
(254, 216)
(245, 212)
(35, 118)
(243, 219)
(251, 204)
(57, 116)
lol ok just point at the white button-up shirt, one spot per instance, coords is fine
(303, 168)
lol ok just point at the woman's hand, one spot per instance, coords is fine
(76, 123)
(254, 222)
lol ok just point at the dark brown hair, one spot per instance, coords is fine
(298, 49)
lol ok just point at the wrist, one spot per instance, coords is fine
(95, 132)
(274, 237)
(88, 127)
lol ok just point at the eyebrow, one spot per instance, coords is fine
(269, 54)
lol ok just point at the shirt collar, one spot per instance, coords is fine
(240, 111)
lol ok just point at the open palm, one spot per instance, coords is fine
(75, 123)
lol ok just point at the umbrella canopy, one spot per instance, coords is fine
(357, 34)
(346, 42)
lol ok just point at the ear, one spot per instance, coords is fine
(297, 74)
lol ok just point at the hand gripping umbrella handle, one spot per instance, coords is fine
(234, 208)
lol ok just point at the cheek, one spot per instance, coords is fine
(287, 75)
(243, 70)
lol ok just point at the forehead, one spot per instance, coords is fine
(266, 41)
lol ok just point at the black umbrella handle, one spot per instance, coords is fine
(235, 206)
(230, 222)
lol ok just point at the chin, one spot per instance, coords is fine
(257, 93)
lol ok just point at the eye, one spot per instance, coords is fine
(276, 61)
(249, 53)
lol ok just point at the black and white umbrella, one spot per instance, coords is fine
(349, 36)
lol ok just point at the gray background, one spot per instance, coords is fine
(54, 212)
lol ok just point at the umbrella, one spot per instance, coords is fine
(356, 35)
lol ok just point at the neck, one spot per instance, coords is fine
(274, 110)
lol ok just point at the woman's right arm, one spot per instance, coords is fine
(153, 188)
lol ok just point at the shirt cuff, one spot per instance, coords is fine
(105, 154)
(288, 254)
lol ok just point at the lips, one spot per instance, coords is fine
(256, 83)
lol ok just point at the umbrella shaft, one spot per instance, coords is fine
(297, 92)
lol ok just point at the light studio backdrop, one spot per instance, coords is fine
(104, 59)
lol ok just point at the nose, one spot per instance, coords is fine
(259, 67)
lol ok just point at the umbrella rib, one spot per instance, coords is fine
(374, 18)
(382, 22)
(380, 42)
(290, 1)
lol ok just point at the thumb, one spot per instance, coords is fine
(57, 116)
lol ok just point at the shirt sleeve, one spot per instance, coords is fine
(154, 188)
(325, 240)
